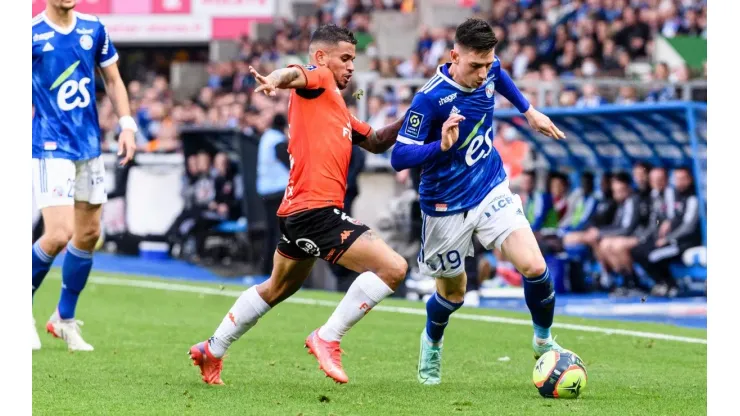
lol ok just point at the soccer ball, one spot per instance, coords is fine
(560, 375)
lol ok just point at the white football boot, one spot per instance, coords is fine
(69, 331)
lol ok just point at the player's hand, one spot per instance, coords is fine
(126, 146)
(267, 85)
(543, 124)
(451, 131)
(661, 242)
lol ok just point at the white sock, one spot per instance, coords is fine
(366, 292)
(242, 316)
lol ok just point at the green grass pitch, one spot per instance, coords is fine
(140, 365)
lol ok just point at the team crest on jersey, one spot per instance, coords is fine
(490, 87)
(413, 125)
(310, 67)
(86, 42)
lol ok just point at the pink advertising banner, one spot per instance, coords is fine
(83, 6)
(131, 6)
(171, 6)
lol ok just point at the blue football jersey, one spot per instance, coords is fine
(65, 119)
(460, 178)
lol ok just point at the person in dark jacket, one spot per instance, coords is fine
(674, 236)
(625, 222)
(616, 250)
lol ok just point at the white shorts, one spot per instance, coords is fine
(60, 182)
(446, 241)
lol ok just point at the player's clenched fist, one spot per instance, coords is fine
(451, 131)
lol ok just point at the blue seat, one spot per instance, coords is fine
(680, 270)
(232, 227)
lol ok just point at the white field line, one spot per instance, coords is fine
(174, 287)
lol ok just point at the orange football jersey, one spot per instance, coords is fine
(320, 146)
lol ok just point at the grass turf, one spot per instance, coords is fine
(142, 335)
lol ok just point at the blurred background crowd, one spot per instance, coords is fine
(562, 53)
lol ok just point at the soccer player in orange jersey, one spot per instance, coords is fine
(311, 217)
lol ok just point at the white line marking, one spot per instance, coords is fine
(175, 287)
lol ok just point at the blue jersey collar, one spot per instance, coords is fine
(62, 31)
(444, 72)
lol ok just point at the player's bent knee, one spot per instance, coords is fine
(394, 272)
(58, 237)
(534, 268)
(88, 237)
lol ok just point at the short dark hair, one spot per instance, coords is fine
(476, 34)
(686, 169)
(645, 165)
(623, 177)
(333, 34)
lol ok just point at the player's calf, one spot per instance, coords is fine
(58, 230)
(79, 258)
(521, 248)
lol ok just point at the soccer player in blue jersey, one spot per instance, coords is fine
(68, 173)
(464, 191)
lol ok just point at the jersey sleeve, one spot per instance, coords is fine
(410, 150)
(360, 130)
(506, 87)
(419, 119)
(316, 76)
(106, 53)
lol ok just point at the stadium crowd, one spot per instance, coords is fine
(540, 41)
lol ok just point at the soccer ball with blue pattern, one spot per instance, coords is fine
(560, 374)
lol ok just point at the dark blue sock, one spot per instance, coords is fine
(75, 271)
(539, 293)
(40, 266)
(439, 310)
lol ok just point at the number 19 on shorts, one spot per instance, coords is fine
(451, 260)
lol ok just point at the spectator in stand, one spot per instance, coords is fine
(661, 92)
(273, 167)
(624, 223)
(641, 180)
(662, 208)
(582, 204)
(228, 188)
(674, 236)
(590, 97)
(534, 202)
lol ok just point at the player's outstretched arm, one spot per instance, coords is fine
(283, 78)
(382, 140)
(538, 121)
(116, 90)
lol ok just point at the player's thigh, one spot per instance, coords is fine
(53, 183)
(53, 189)
(90, 181)
(498, 216)
(521, 248)
(286, 278)
(334, 236)
(445, 243)
(370, 253)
